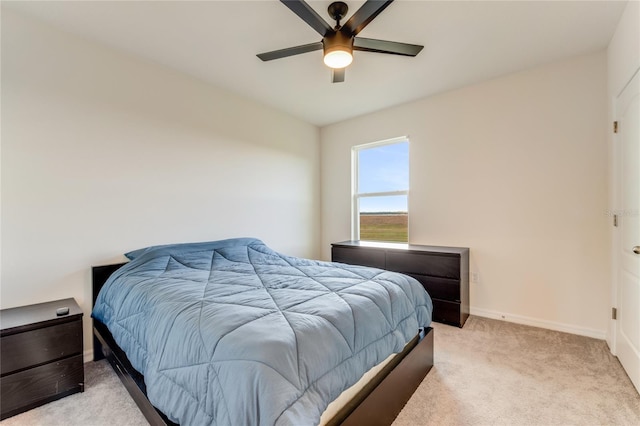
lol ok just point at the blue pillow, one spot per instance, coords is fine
(136, 253)
(186, 247)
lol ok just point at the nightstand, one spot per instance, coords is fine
(41, 355)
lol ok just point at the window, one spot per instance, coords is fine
(381, 191)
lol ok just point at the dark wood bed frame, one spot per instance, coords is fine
(378, 403)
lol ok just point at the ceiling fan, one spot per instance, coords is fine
(339, 43)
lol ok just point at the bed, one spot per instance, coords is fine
(232, 332)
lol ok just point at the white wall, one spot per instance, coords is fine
(103, 153)
(623, 61)
(514, 168)
(623, 53)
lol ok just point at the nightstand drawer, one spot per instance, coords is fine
(35, 347)
(440, 288)
(428, 264)
(32, 387)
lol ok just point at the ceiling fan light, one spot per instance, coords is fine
(338, 58)
(338, 50)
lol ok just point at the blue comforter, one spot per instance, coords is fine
(232, 333)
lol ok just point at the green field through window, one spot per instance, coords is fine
(384, 227)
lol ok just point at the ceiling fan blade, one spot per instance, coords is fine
(337, 75)
(290, 51)
(384, 46)
(363, 16)
(308, 15)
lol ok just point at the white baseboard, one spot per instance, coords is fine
(535, 322)
(87, 355)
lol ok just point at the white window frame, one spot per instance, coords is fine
(356, 196)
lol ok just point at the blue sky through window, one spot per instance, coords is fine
(382, 169)
(396, 203)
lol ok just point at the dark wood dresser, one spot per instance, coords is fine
(443, 271)
(41, 355)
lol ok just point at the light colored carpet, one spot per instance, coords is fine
(498, 373)
(487, 373)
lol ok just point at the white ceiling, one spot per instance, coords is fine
(216, 41)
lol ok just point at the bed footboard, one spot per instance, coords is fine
(382, 399)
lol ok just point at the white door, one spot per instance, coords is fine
(628, 239)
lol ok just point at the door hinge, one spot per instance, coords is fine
(615, 127)
(614, 313)
(615, 220)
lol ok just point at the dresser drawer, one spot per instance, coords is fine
(446, 312)
(35, 347)
(35, 386)
(363, 257)
(440, 288)
(424, 264)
